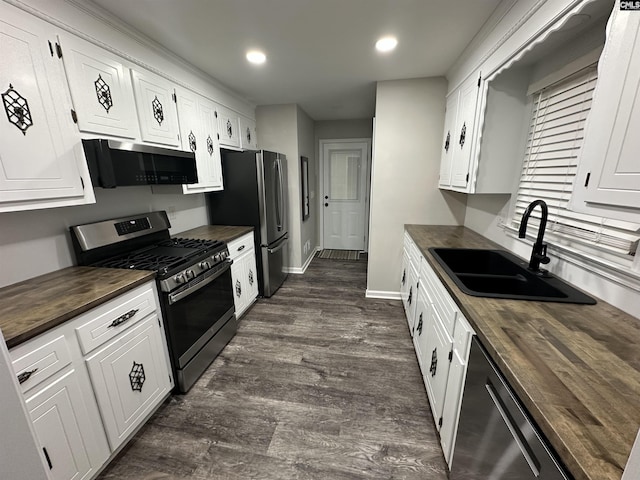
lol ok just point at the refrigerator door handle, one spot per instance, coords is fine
(279, 246)
(280, 208)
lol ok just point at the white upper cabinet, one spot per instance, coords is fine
(198, 131)
(101, 89)
(446, 159)
(228, 127)
(608, 179)
(41, 159)
(460, 120)
(248, 137)
(156, 108)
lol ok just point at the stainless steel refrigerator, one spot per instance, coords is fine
(255, 194)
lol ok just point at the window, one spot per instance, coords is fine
(549, 168)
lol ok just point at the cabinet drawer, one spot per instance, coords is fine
(34, 363)
(106, 321)
(241, 245)
(442, 301)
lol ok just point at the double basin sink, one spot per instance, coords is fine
(499, 274)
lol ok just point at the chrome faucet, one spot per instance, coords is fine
(539, 252)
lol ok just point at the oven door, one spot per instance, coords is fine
(196, 312)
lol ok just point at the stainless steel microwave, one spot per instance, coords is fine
(118, 164)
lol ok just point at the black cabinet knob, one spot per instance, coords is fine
(326, 204)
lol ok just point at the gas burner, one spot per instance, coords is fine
(142, 261)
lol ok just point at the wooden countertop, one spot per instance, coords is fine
(34, 306)
(576, 368)
(226, 233)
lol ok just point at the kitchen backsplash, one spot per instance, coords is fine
(36, 242)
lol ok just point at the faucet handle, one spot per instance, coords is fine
(542, 254)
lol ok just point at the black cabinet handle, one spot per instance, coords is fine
(123, 318)
(241, 247)
(24, 376)
(434, 362)
(404, 276)
(463, 134)
(326, 204)
(447, 141)
(420, 324)
(46, 456)
(410, 295)
(238, 288)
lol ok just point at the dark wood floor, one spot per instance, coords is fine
(319, 383)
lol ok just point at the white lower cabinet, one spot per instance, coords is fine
(59, 419)
(129, 376)
(90, 382)
(441, 338)
(243, 272)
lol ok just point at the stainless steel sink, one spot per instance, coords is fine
(499, 274)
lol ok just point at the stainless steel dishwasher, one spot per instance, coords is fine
(496, 440)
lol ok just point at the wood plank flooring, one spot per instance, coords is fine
(318, 383)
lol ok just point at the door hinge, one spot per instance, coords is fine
(586, 180)
(159, 324)
(59, 50)
(82, 183)
(50, 48)
(440, 422)
(451, 356)
(418, 284)
(74, 116)
(175, 99)
(479, 78)
(467, 178)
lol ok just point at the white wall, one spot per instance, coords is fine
(36, 242)
(307, 148)
(277, 127)
(406, 165)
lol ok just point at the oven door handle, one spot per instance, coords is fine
(176, 297)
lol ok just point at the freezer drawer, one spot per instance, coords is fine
(275, 265)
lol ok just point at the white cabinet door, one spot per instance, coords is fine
(462, 139)
(411, 296)
(239, 286)
(446, 158)
(156, 108)
(609, 173)
(41, 158)
(130, 377)
(61, 429)
(248, 137)
(101, 89)
(228, 126)
(251, 276)
(420, 329)
(198, 131)
(437, 346)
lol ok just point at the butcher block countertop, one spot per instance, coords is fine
(34, 306)
(216, 232)
(576, 368)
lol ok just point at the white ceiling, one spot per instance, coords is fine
(320, 53)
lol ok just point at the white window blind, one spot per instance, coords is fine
(551, 158)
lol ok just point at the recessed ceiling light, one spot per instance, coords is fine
(256, 56)
(386, 44)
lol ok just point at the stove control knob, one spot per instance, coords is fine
(190, 274)
(204, 265)
(217, 257)
(180, 278)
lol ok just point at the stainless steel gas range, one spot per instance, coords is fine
(193, 278)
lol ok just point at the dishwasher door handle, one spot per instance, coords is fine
(515, 431)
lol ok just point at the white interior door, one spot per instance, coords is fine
(344, 199)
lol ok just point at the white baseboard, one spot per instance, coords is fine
(382, 294)
(301, 270)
